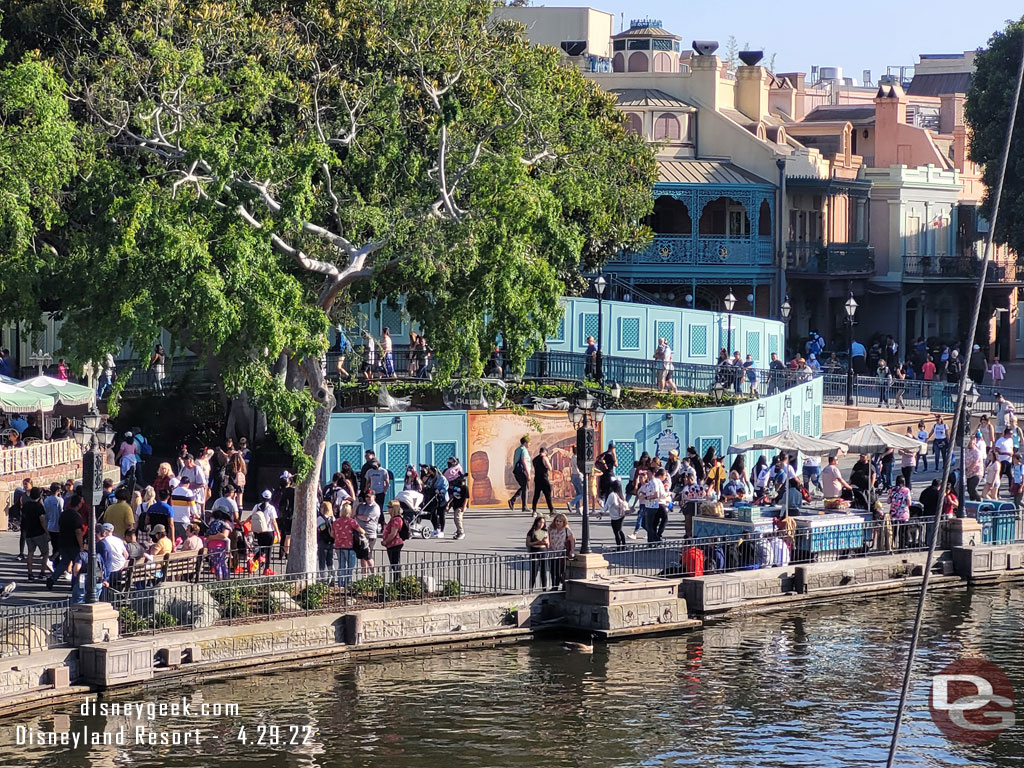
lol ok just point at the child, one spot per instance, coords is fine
(1017, 480)
(192, 542)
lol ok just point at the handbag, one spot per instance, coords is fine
(361, 545)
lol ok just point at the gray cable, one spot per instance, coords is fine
(956, 428)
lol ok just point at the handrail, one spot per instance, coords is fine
(39, 456)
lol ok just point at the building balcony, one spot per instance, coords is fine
(967, 268)
(709, 255)
(834, 259)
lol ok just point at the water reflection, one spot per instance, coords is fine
(813, 687)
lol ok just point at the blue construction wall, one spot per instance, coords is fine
(630, 330)
(430, 437)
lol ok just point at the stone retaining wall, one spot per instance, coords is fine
(42, 670)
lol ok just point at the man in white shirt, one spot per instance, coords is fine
(1003, 409)
(113, 552)
(832, 483)
(377, 480)
(264, 525)
(1004, 452)
(183, 506)
(226, 503)
(197, 479)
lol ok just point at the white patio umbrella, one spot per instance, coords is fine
(872, 438)
(788, 440)
(64, 392)
(14, 399)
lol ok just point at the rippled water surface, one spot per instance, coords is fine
(810, 687)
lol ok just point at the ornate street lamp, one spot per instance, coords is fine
(599, 285)
(786, 308)
(94, 440)
(717, 391)
(851, 310)
(730, 303)
(583, 414)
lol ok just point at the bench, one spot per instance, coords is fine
(177, 566)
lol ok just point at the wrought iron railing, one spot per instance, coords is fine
(27, 629)
(914, 394)
(831, 259)
(722, 250)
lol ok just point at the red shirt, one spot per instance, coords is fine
(393, 530)
(343, 528)
(928, 369)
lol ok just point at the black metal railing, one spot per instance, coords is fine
(914, 394)
(27, 629)
(831, 259)
(958, 267)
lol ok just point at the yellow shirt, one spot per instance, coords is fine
(162, 547)
(120, 516)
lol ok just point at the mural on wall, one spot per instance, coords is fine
(493, 439)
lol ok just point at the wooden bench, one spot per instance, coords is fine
(177, 566)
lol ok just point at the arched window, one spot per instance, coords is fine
(724, 216)
(636, 123)
(662, 62)
(666, 128)
(638, 62)
(619, 63)
(764, 219)
(670, 217)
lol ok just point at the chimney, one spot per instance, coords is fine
(951, 111)
(890, 113)
(705, 72)
(752, 91)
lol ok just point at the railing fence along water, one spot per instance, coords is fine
(431, 578)
(28, 629)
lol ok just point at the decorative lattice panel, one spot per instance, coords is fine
(392, 318)
(397, 458)
(817, 421)
(795, 424)
(773, 345)
(807, 422)
(350, 452)
(440, 452)
(629, 333)
(665, 329)
(560, 334)
(698, 340)
(703, 443)
(754, 345)
(625, 453)
(588, 327)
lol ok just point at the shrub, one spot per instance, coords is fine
(163, 620)
(367, 586)
(313, 596)
(131, 621)
(451, 588)
(406, 588)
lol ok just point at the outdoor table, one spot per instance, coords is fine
(828, 533)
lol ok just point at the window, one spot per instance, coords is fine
(913, 235)
(636, 123)
(618, 63)
(638, 62)
(670, 217)
(618, 45)
(662, 62)
(764, 219)
(724, 216)
(639, 45)
(666, 128)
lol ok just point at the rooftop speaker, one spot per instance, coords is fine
(705, 47)
(750, 58)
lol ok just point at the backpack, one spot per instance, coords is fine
(145, 449)
(261, 522)
(404, 534)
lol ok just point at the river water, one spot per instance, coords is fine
(812, 686)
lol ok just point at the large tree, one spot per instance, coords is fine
(987, 112)
(259, 166)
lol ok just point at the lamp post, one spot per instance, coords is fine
(851, 309)
(584, 413)
(717, 392)
(970, 400)
(730, 303)
(785, 310)
(599, 285)
(93, 439)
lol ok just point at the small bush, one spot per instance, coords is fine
(313, 596)
(131, 621)
(163, 620)
(406, 588)
(451, 588)
(234, 607)
(367, 586)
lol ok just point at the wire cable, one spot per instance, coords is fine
(956, 428)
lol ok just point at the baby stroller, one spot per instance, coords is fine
(418, 515)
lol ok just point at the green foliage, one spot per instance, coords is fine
(313, 596)
(163, 620)
(451, 588)
(130, 621)
(405, 588)
(368, 586)
(987, 112)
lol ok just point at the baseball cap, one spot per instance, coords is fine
(267, 494)
(173, 482)
(128, 434)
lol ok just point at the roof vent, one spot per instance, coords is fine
(750, 58)
(705, 47)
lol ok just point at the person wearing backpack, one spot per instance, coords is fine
(325, 537)
(264, 525)
(393, 538)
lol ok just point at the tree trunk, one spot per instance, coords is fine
(302, 555)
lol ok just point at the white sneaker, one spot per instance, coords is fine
(49, 565)
(458, 536)
(66, 576)
(632, 535)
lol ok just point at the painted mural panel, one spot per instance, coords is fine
(493, 439)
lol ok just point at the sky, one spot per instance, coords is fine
(870, 34)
